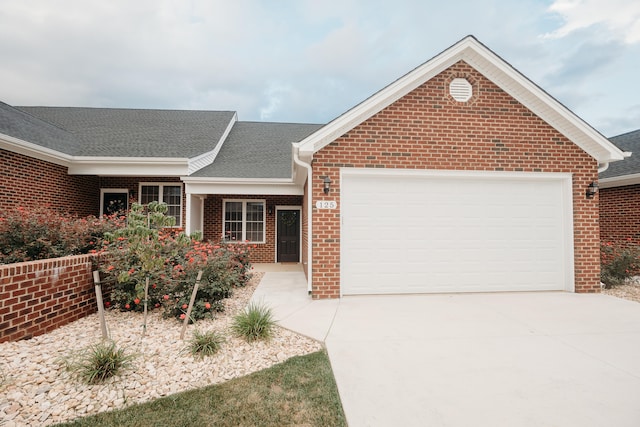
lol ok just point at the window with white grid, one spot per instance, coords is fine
(171, 194)
(244, 220)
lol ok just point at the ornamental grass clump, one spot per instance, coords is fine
(204, 344)
(99, 362)
(254, 323)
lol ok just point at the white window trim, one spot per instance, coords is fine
(104, 191)
(244, 219)
(160, 193)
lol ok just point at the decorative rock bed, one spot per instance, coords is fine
(35, 389)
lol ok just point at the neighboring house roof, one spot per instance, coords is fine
(257, 150)
(478, 56)
(626, 172)
(116, 132)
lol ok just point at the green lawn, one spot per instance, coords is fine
(298, 392)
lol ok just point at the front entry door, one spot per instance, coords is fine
(288, 236)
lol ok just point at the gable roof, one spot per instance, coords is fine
(117, 132)
(478, 56)
(626, 172)
(257, 150)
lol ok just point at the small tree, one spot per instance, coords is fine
(148, 255)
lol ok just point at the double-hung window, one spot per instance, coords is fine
(171, 194)
(244, 220)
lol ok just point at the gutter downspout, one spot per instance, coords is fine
(307, 166)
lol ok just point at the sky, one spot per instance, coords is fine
(308, 61)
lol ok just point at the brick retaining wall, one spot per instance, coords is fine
(39, 296)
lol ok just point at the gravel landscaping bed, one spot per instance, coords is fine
(36, 390)
(630, 291)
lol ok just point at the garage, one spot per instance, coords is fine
(408, 231)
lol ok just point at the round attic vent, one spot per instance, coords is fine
(460, 90)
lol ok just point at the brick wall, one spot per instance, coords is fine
(427, 129)
(620, 214)
(264, 252)
(39, 296)
(29, 182)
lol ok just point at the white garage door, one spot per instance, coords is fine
(444, 231)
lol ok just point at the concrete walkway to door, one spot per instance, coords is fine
(505, 359)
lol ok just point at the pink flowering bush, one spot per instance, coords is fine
(28, 234)
(149, 248)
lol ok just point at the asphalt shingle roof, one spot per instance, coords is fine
(113, 132)
(257, 150)
(626, 142)
(26, 127)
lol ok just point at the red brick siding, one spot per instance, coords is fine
(427, 129)
(620, 214)
(39, 296)
(264, 252)
(133, 185)
(29, 182)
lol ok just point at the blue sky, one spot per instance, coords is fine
(308, 60)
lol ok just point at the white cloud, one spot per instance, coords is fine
(274, 94)
(621, 18)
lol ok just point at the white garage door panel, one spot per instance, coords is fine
(415, 233)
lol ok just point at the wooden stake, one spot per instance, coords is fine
(193, 299)
(98, 287)
(146, 297)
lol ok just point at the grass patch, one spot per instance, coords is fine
(300, 391)
(254, 323)
(204, 344)
(99, 362)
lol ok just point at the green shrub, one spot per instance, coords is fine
(42, 233)
(618, 262)
(147, 248)
(254, 323)
(99, 362)
(205, 343)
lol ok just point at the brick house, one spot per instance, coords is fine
(460, 176)
(620, 194)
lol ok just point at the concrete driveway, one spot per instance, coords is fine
(506, 359)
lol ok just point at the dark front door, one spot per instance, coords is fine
(288, 236)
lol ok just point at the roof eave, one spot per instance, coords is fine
(619, 181)
(23, 147)
(129, 166)
(242, 186)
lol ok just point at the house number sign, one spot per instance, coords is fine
(326, 204)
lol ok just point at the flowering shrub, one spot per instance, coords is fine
(170, 259)
(41, 233)
(618, 262)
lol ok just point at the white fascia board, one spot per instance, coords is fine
(129, 166)
(205, 159)
(493, 68)
(240, 186)
(619, 181)
(29, 149)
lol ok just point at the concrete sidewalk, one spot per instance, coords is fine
(502, 359)
(284, 289)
